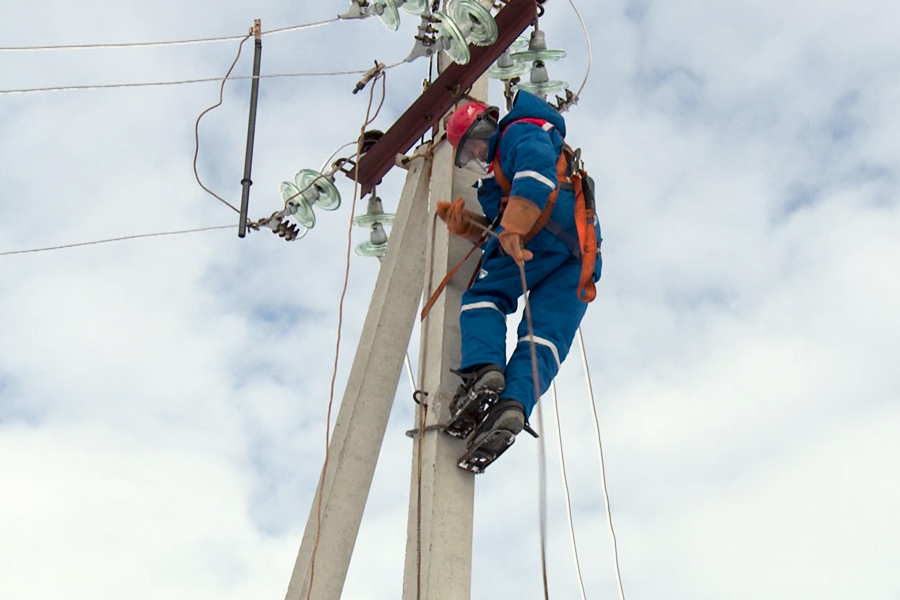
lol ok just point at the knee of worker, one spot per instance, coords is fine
(501, 296)
(555, 330)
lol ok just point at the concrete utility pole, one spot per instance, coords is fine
(420, 253)
(368, 398)
(439, 538)
(439, 530)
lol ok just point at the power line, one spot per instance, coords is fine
(117, 239)
(68, 88)
(211, 40)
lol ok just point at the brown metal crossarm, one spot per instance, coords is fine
(440, 96)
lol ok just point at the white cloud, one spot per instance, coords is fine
(162, 401)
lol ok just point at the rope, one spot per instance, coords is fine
(197, 127)
(117, 239)
(409, 372)
(536, 381)
(542, 452)
(423, 419)
(157, 44)
(612, 532)
(337, 351)
(565, 479)
(422, 424)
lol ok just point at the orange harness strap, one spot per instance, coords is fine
(440, 288)
(584, 222)
(584, 219)
(505, 185)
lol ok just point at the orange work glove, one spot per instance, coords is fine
(460, 220)
(518, 219)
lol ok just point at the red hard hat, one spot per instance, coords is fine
(463, 118)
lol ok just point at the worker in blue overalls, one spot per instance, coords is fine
(524, 173)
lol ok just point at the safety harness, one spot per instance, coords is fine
(570, 174)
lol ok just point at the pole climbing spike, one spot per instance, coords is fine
(475, 395)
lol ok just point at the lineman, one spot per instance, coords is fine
(544, 222)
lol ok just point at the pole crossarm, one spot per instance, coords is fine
(440, 96)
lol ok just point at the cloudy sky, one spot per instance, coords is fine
(162, 400)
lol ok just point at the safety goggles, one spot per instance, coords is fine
(473, 147)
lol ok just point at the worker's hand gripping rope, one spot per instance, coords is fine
(461, 221)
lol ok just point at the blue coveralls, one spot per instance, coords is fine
(528, 157)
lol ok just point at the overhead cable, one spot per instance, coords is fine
(211, 40)
(68, 88)
(117, 239)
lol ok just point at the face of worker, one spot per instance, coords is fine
(472, 154)
(473, 149)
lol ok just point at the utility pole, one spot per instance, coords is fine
(439, 528)
(340, 499)
(420, 252)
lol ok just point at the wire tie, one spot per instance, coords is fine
(370, 74)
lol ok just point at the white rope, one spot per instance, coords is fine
(565, 479)
(409, 372)
(612, 531)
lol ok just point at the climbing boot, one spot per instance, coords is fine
(494, 435)
(479, 390)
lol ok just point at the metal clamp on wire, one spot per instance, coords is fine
(371, 74)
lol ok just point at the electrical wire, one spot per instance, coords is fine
(197, 127)
(112, 86)
(612, 532)
(304, 26)
(116, 239)
(337, 351)
(211, 40)
(587, 38)
(565, 480)
(109, 86)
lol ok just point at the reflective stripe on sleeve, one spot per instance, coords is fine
(537, 177)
